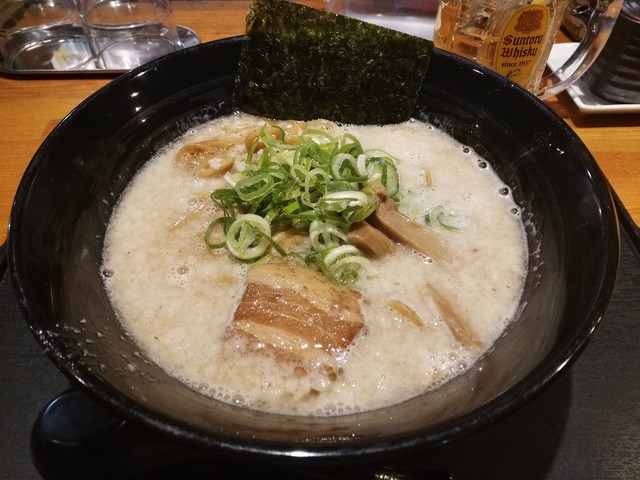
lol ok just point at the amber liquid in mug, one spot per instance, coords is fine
(511, 37)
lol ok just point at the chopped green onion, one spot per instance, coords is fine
(340, 201)
(324, 235)
(437, 217)
(314, 186)
(246, 237)
(215, 237)
(345, 167)
(384, 170)
(343, 263)
(322, 185)
(251, 188)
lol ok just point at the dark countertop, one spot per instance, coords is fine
(585, 426)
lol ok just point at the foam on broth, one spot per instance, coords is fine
(176, 297)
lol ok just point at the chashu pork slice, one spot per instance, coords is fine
(297, 313)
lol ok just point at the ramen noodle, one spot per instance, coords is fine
(424, 320)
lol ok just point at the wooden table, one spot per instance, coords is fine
(32, 106)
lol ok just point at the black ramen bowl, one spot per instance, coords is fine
(68, 192)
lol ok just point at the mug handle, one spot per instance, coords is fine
(599, 20)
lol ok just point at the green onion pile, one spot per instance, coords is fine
(321, 185)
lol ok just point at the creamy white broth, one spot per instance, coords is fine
(176, 297)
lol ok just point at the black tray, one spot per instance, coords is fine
(585, 426)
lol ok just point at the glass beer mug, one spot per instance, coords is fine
(515, 37)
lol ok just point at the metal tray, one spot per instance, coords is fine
(59, 49)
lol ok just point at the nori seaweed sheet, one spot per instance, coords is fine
(303, 63)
